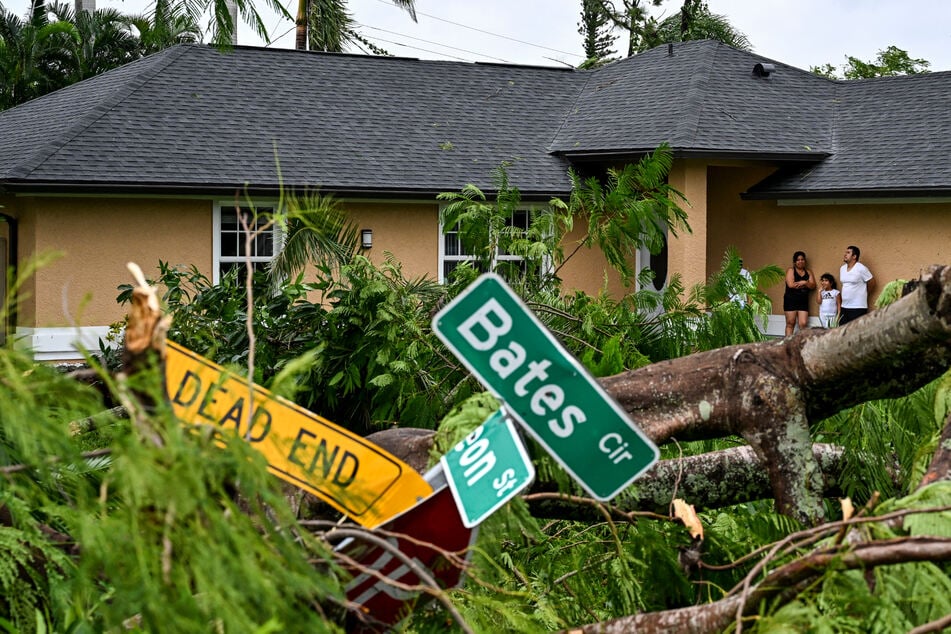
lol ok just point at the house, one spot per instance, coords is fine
(146, 162)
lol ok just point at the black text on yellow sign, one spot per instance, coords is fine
(351, 474)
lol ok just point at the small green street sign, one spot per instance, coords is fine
(487, 469)
(543, 386)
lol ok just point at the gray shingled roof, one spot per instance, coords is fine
(194, 119)
(701, 99)
(892, 136)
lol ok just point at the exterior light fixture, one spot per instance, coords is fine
(366, 238)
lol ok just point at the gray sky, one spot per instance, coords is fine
(802, 33)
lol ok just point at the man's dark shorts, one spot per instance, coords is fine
(850, 314)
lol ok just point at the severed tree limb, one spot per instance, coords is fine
(145, 333)
(770, 392)
(715, 617)
(711, 480)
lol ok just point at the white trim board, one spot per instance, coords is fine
(60, 344)
(775, 325)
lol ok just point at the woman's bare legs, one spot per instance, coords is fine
(791, 321)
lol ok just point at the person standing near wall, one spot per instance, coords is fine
(739, 296)
(857, 283)
(830, 301)
(799, 282)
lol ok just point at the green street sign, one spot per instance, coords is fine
(487, 469)
(543, 386)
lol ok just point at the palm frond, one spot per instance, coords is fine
(318, 231)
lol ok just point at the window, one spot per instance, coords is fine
(657, 262)
(451, 253)
(231, 250)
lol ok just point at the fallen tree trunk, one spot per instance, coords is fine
(769, 393)
(711, 480)
(715, 617)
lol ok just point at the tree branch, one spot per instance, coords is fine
(770, 392)
(714, 617)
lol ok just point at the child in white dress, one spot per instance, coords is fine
(829, 300)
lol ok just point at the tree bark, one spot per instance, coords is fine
(770, 392)
(711, 480)
(940, 467)
(716, 616)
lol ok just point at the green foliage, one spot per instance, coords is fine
(488, 229)
(317, 229)
(604, 333)
(34, 52)
(696, 22)
(355, 345)
(29, 566)
(376, 359)
(633, 207)
(371, 358)
(891, 61)
(100, 40)
(462, 420)
(693, 21)
(887, 444)
(891, 293)
(211, 318)
(595, 30)
(533, 578)
(167, 24)
(182, 536)
(707, 317)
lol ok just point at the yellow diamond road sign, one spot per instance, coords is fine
(348, 472)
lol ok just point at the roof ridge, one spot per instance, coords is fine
(50, 148)
(837, 105)
(697, 95)
(570, 110)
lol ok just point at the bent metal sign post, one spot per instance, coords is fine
(355, 476)
(543, 386)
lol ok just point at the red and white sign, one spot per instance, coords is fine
(434, 522)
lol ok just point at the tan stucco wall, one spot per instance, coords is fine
(897, 239)
(410, 231)
(688, 251)
(588, 269)
(96, 238)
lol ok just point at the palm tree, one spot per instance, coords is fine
(34, 54)
(317, 230)
(694, 21)
(103, 40)
(325, 25)
(167, 25)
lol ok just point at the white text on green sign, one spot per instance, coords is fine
(487, 469)
(502, 342)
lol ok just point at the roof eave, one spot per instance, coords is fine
(845, 194)
(218, 190)
(692, 153)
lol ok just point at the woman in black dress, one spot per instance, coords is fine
(799, 283)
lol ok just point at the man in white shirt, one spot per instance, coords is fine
(856, 282)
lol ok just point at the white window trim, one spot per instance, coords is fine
(644, 261)
(216, 258)
(441, 262)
